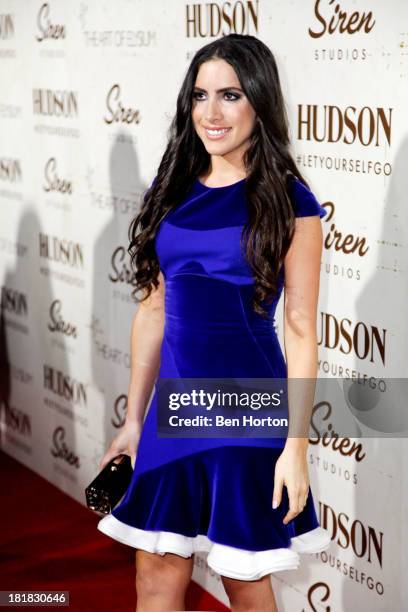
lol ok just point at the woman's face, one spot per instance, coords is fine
(228, 110)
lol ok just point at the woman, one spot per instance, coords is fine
(227, 223)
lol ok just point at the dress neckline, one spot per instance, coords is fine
(222, 186)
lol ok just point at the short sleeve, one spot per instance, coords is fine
(304, 201)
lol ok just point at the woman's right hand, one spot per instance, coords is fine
(125, 442)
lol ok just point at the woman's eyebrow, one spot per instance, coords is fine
(221, 90)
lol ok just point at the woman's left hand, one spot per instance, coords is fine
(291, 470)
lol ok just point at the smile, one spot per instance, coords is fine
(216, 134)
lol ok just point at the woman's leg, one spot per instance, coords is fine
(250, 595)
(161, 581)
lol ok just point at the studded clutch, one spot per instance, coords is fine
(104, 492)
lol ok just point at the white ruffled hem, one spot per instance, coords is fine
(225, 560)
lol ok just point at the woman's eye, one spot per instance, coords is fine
(230, 93)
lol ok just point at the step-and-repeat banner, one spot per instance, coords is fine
(88, 89)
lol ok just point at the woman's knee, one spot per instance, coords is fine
(166, 573)
(250, 594)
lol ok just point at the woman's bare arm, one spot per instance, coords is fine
(146, 340)
(302, 280)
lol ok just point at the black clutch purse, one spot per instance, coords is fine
(103, 493)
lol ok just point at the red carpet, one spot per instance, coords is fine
(50, 542)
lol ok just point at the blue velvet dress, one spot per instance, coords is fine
(214, 495)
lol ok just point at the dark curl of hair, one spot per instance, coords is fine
(268, 162)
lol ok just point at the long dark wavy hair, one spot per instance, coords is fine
(271, 219)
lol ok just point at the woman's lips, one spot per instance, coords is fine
(216, 134)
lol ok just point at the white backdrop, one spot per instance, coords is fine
(87, 93)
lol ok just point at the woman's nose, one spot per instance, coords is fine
(213, 110)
